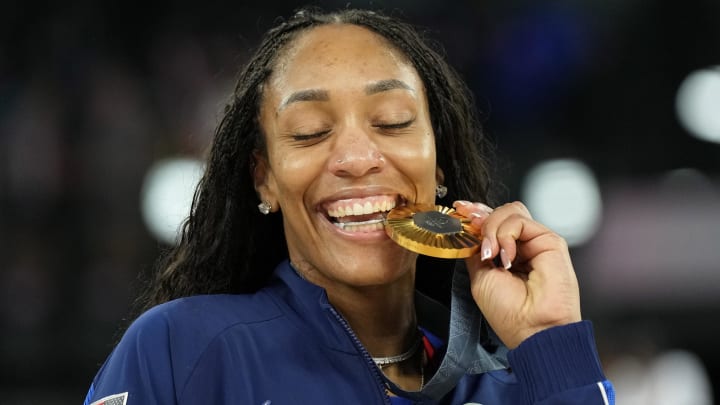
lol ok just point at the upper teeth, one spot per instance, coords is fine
(361, 209)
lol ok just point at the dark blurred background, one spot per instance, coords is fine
(603, 93)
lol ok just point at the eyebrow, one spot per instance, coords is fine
(386, 85)
(323, 95)
(305, 95)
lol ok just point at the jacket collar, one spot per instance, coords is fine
(311, 309)
(472, 346)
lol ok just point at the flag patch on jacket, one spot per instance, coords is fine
(117, 399)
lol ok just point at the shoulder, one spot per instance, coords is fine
(158, 352)
(202, 316)
(232, 308)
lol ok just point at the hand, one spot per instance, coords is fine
(535, 287)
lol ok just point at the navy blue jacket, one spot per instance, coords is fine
(286, 344)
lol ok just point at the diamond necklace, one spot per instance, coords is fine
(385, 361)
(423, 358)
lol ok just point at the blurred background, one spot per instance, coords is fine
(606, 116)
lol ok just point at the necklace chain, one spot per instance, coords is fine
(385, 361)
(423, 358)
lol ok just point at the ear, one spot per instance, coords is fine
(439, 176)
(263, 180)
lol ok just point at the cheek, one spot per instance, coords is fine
(418, 161)
(294, 172)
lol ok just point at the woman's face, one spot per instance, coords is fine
(348, 137)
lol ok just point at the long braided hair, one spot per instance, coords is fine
(226, 245)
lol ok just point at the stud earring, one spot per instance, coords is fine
(264, 207)
(441, 191)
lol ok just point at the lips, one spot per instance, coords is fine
(366, 214)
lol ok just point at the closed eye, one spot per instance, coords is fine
(307, 137)
(399, 125)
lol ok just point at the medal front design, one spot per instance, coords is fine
(432, 230)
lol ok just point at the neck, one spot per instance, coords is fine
(382, 317)
(384, 320)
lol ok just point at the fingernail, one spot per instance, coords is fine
(504, 259)
(486, 249)
(484, 207)
(462, 202)
(479, 214)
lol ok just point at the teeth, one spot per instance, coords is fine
(366, 226)
(368, 208)
(361, 208)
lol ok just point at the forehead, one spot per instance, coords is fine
(330, 53)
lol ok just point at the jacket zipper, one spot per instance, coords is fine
(366, 355)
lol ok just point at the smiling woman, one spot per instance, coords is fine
(336, 120)
(371, 141)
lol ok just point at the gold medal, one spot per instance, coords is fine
(432, 230)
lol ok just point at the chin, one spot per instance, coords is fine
(376, 269)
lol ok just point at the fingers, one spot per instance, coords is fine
(503, 229)
(472, 210)
(477, 212)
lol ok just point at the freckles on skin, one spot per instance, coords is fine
(310, 59)
(306, 52)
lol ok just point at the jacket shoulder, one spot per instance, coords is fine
(159, 350)
(203, 317)
(210, 312)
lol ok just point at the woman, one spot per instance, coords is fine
(337, 119)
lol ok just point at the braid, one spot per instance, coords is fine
(223, 240)
(218, 248)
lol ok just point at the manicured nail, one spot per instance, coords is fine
(486, 249)
(462, 202)
(484, 207)
(478, 214)
(504, 259)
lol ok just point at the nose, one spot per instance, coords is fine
(355, 155)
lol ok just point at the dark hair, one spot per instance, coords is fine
(227, 246)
